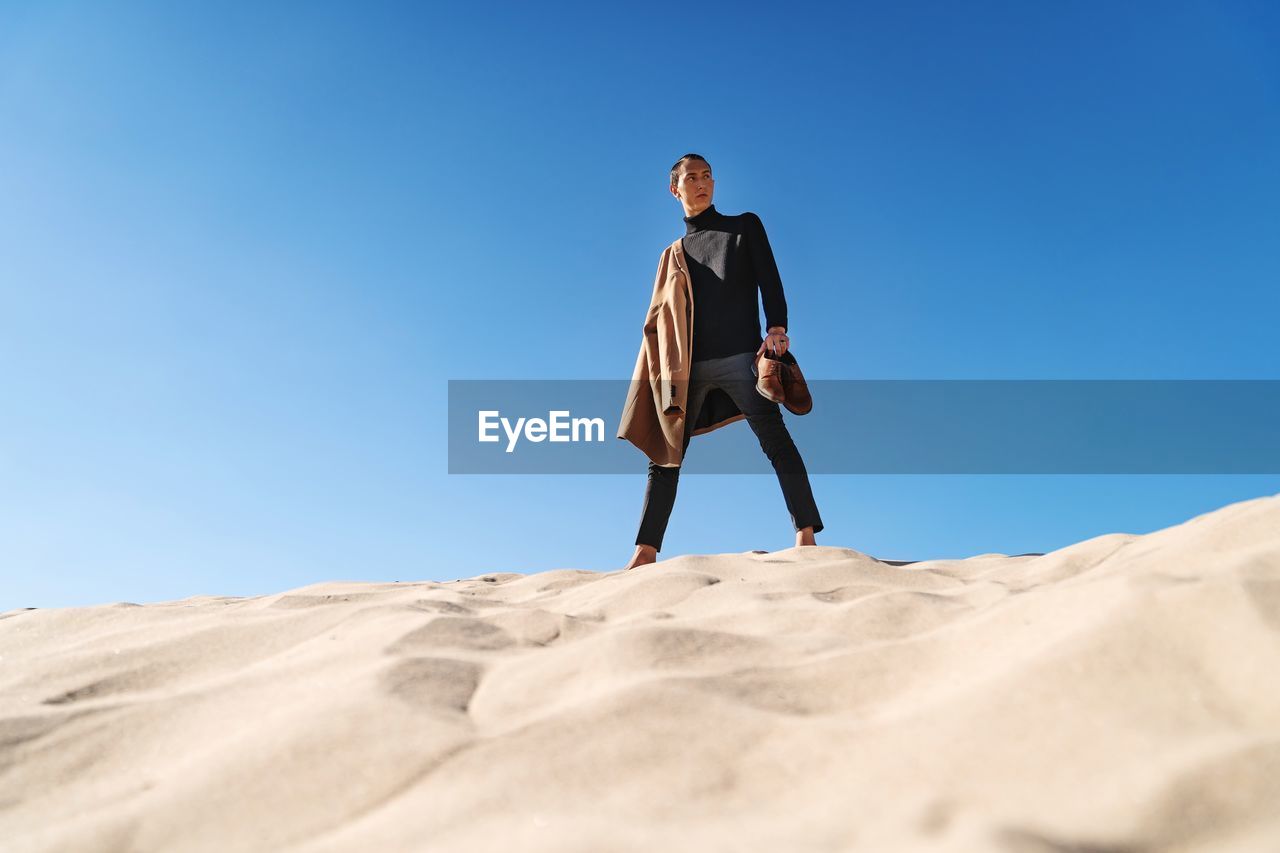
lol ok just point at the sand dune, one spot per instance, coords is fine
(1120, 694)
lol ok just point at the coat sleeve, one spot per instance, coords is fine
(668, 320)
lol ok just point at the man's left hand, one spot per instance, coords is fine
(776, 341)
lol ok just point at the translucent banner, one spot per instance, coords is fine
(862, 426)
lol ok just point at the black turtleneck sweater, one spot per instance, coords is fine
(729, 258)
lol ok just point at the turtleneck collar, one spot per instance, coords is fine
(702, 221)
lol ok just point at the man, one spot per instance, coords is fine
(729, 260)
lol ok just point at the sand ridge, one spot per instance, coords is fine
(1118, 694)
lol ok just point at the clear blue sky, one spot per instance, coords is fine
(243, 246)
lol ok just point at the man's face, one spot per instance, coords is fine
(694, 186)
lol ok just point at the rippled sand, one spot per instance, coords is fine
(1120, 694)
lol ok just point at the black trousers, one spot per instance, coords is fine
(733, 374)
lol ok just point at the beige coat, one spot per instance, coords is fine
(653, 417)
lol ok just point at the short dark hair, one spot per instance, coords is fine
(675, 170)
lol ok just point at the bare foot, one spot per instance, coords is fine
(804, 536)
(644, 555)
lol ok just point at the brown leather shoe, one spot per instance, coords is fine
(770, 377)
(795, 390)
(778, 378)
